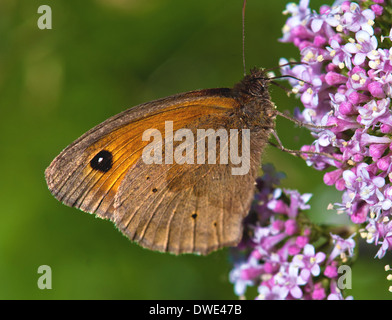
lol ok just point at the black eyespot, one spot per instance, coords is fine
(194, 216)
(154, 190)
(103, 161)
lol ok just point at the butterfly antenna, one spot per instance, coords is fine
(287, 90)
(243, 37)
(291, 63)
(289, 76)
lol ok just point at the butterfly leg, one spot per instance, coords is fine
(297, 153)
(303, 124)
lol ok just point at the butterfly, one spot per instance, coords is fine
(187, 207)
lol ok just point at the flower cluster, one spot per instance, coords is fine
(282, 253)
(346, 68)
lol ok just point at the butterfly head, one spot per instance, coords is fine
(254, 85)
(255, 100)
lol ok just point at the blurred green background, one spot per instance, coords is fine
(101, 57)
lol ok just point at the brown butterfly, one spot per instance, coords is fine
(175, 207)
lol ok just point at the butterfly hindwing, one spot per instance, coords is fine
(186, 207)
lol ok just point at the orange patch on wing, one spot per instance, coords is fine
(126, 146)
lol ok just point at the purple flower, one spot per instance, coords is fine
(362, 184)
(338, 296)
(298, 13)
(364, 47)
(239, 277)
(357, 19)
(385, 245)
(297, 202)
(377, 9)
(276, 254)
(379, 231)
(358, 79)
(343, 48)
(346, 86)
(309, 261)
(341, 55)
(274, 293)
(318, 292)
(376, 89)
(331, 271)
(265, 239)
(289, 278)
(375, 112)
(343, 247)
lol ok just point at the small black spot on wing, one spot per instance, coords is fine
(103, 161)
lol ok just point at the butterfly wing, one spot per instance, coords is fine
(180, 208)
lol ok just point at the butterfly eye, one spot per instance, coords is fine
(103, 161)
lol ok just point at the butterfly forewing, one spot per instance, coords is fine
(181, 207)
